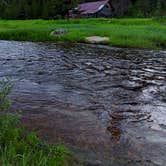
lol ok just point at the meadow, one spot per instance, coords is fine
(127, 32)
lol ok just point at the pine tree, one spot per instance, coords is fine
(158, 8)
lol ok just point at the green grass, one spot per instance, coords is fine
(141, 33)
(21, 148)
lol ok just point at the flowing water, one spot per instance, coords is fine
(107, 104)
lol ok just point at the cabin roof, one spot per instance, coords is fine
(91, 7)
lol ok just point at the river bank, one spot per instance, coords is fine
(136, 33)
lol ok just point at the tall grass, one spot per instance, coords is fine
(5, 89)
(21, 148)
(141, 33)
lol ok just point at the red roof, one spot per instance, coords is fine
(91, 7)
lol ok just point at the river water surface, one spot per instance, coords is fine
(107, 104)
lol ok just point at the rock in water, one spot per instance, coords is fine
(97, 39)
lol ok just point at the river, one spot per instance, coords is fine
(107, 104)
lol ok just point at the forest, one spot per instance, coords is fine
(55, 9)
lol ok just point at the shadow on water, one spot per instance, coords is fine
(107, 104)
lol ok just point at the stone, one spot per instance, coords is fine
(97, 39)
(59, 32)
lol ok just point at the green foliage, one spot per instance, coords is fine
(147, 8)
(5, 89)
(30, 9)
(18, 147)
(60, 8)
(50, 9)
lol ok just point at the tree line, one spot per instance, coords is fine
(147, 8)
(54, 9)
(33, 9)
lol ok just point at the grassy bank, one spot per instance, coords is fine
(21, 148)
(140, 33)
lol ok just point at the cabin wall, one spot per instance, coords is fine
(106, 11)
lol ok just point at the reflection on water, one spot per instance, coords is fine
(109, 102)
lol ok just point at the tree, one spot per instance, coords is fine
(147, 8)
(62, 7)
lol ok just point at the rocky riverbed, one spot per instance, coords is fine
(107, 104)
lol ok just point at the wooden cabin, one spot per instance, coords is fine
(96, 9)
(101, 8)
